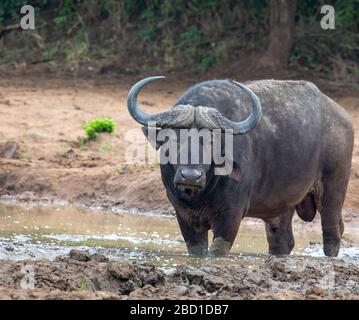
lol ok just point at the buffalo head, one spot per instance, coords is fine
(190, 176)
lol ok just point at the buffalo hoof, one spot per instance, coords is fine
(331, 250)
(197, 251)
(279, 253)
(283, 250)
(219, 248)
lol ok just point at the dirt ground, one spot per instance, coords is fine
(42, 157)
(44, 119)
(41, 122)
(80, 276)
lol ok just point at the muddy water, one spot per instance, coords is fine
(46, 231)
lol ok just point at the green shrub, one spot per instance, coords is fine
(191, 35)
(96, 126)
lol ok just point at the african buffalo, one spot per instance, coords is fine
(292, 152)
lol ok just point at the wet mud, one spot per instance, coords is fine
(69, 252)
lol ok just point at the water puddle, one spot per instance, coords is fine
(46, 231)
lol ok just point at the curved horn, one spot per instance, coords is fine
(211, 118)
(178, 116)
(256, 114)
(133, 108)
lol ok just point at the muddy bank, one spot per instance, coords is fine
(84, 276)
(66, 251)
(104, 187)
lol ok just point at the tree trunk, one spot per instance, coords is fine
(282, 14)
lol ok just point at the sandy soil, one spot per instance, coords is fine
(42, 119)
(80, 276)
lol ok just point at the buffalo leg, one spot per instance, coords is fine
(280, 234)
(196, 241)
(331, 216)
(334, 181)
(225, 230)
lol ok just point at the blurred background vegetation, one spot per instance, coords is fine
(188, 36)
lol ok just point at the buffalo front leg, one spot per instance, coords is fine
(225, 230)
(280, 234)
(196, 240)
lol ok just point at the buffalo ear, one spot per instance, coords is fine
(156, 144)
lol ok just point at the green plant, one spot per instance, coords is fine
(10, 9)
(84, 283)
(96, 126)
(319, 49)
(191, 35)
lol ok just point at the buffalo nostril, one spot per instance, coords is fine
(192, 174)
(183, 174)
(198, 174)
